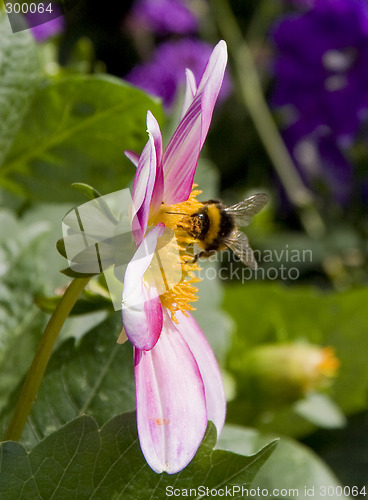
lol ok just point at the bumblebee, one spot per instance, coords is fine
(216, 227)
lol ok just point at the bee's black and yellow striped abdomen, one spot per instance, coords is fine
(211, 224)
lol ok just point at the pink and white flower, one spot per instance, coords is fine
(178, 382)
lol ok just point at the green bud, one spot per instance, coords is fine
(279, 374)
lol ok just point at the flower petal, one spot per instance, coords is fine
(158, 189)
(143, 185)
(141, 306)
(154, 129)
(171, 409)
(210, 85)
(210, 372)
(132, 156)
(190, 90)
(181, 155)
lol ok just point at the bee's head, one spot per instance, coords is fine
(200, 216)
(199, 222)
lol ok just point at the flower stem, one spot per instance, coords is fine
(41, 358)
(252, 95)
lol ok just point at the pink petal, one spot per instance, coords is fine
(154, 128)
(158, 189)
(210, 85)
(171, 410)
(210, 372)
(132, 156)
(143, 185)
(190, 90)
(181, 155)
(141, 306)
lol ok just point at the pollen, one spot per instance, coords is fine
(180, 293)
(161, 421)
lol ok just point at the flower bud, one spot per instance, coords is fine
(277, 374)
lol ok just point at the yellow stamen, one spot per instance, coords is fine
(176, 217)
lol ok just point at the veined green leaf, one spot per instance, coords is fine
(19, 75)
(81, 461)
(94, 376)
(21, 322)
(76, 131)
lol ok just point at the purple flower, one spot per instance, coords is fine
(322, 162)
(321, 82)
(178, 382)
(46, 24)
(164, 16)
(320, 70)
(49, 29)
(166, 72)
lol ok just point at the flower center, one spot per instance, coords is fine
(179, 295)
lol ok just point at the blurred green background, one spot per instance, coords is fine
(292, 337)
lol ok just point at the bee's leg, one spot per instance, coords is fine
(203, 253)
(195, 258)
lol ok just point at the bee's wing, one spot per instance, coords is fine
(246, 209)
(239, 244)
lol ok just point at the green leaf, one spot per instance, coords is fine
(19, 74)
(60, 465)
(292, 469)
(321, 410)
(80, 461)
(21, 322)
(60, 247)
(76, 131)
(29, 266)
(94, 376)
(87, 190)
(128, 476)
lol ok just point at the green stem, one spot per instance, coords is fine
(252, 95)
(41, 358)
